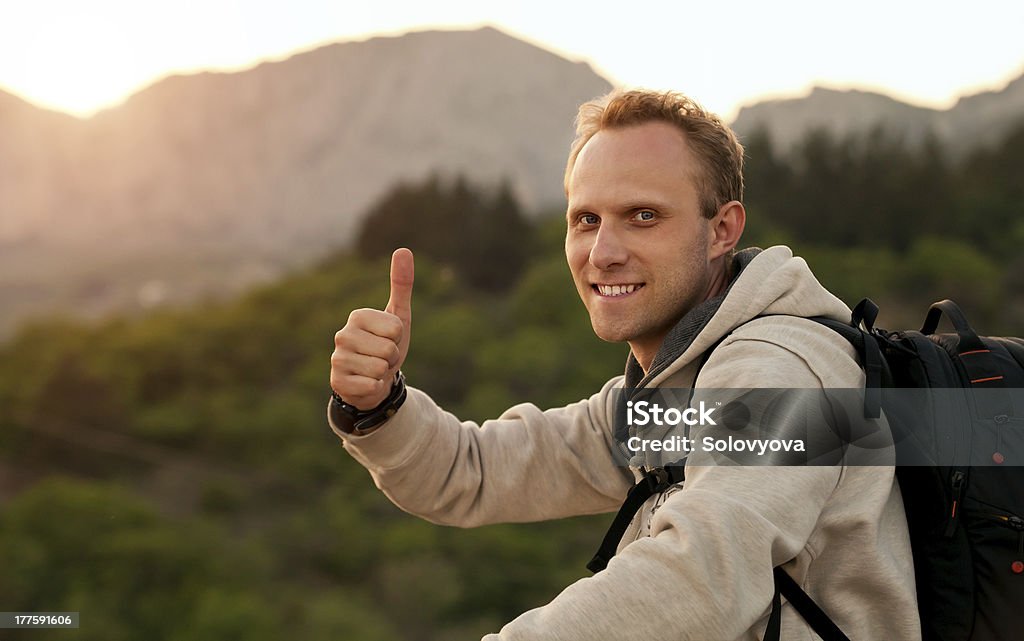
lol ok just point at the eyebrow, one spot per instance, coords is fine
(626, 207)
(644, 204)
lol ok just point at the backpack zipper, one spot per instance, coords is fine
(1011, 522)
(957, 480)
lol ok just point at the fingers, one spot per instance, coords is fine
(366, 357)
(363, 368)
(362, 392)
(366, 366)
(356, 345)
(377, 323)
(402, 276)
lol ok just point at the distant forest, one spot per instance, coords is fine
(172, 476)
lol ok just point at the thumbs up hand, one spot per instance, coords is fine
(372, 346)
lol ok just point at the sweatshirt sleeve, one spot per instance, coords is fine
(705, 571)
(527, 465)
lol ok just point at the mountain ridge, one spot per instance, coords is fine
(975, 121)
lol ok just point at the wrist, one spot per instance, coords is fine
(352, 420)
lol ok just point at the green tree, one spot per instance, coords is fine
(484, 238)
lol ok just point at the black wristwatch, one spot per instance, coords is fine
(353, 420)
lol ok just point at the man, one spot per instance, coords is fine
(654, 188)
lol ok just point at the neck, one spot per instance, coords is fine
(719, 281)
(645, 358)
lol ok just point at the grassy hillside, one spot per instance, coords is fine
(174, 477)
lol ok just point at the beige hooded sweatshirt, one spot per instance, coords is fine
(697, 561)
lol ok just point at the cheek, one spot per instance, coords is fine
(576, 255)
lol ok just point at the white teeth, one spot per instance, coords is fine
(616, 290)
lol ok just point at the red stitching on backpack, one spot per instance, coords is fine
(985, 380)
(976, 351)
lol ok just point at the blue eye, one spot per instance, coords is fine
(645, 215)
(589, 219)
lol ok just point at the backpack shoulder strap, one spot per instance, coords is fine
(651, 483)
(804, 605)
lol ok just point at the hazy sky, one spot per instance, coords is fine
(80, 56)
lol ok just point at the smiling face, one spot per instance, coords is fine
(636, 242)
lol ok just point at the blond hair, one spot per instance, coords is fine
(715, 146)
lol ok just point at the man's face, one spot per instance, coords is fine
(636, 242)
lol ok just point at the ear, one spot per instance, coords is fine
(726, 228)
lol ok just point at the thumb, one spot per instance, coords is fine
(402, 275)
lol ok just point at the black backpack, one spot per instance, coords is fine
(960, 465)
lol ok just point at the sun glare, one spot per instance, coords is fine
(80, 59)
(78, 65)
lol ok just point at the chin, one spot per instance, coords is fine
(611, 335)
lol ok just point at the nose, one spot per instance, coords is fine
(608, 250)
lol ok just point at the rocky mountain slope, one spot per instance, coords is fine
(205, 183)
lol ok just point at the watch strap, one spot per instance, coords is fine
(352, 420)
